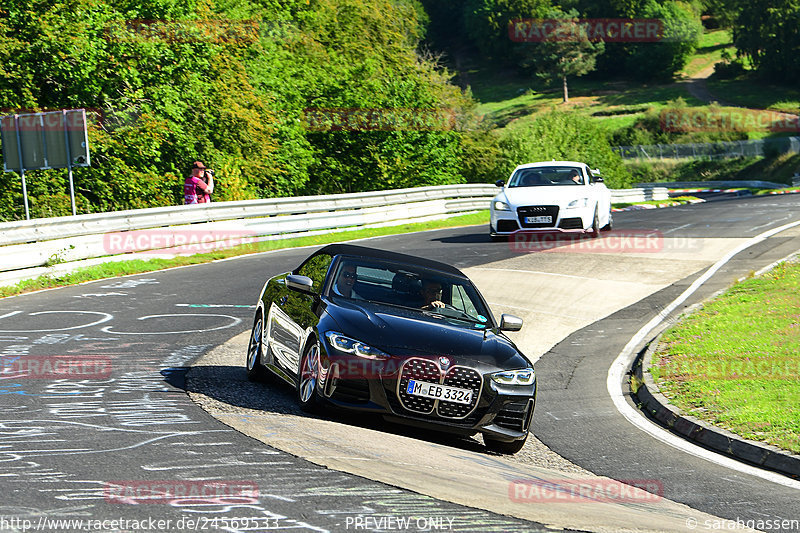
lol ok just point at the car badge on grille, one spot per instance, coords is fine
(444, 362)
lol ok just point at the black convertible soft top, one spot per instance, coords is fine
(363, 251)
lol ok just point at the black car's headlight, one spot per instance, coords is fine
(346, 344)
(525, 376)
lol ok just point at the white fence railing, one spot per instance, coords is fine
(27, 247)
(729, 184)
(630, 196)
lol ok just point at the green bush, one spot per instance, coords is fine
(565, 136)
(172, 91)
(728, 70)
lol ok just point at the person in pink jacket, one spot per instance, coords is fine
(195, 189)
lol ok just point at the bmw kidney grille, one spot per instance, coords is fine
(428, 371)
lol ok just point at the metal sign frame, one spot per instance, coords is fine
(44, 140)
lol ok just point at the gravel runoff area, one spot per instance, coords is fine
(218, 383)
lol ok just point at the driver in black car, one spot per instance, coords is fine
(431, 294)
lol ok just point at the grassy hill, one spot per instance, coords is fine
(512, 103)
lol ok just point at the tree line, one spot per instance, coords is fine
(291, 97)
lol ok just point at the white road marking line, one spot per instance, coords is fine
(106, 318)
(585, 278)
(768, 223)
(675, 229)
(533, 310)
(531, 272)
(236, 306)
(623, 363)
(235, 321)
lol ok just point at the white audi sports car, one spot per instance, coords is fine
(552, 196)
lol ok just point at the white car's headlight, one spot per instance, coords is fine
(580, 202)
(500, 205)
(349, 345)
(514, 377)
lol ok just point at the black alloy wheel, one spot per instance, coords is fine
(307, 395)
(255, 366)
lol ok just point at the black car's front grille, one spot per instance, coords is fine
(421, 370)
(428, 371)
(515, 415)
(463, 378)
(537, 211)
(571, 223)
(506, 226)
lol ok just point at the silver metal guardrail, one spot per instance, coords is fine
(630, 196)
(728, 184)
(28, 247)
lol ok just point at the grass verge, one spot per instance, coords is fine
(138, 266)
(678, 200)
(736, 363)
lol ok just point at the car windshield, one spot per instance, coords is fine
(431, 292)
(546, 176)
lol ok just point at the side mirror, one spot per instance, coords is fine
(510, 323)
(499, 183)
(597, 179)
(300, 283)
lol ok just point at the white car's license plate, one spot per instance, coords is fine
(439, 392)
(539, 220)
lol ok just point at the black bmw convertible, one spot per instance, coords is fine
(389, 333)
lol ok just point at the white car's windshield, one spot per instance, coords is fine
(546, 176)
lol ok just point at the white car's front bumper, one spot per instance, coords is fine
(564, 219)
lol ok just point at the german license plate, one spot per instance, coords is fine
(439, 392)
(539, 220)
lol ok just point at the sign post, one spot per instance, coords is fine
(22, 170)
(51, 139)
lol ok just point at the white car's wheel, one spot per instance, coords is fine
(610, 225)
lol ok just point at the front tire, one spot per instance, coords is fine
(506, 448)
(610, 225)
(255, 350)
(307, 395)
(596, 225)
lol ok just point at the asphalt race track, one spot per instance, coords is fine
(123, 441)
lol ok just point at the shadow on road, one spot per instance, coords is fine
(229, 385)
